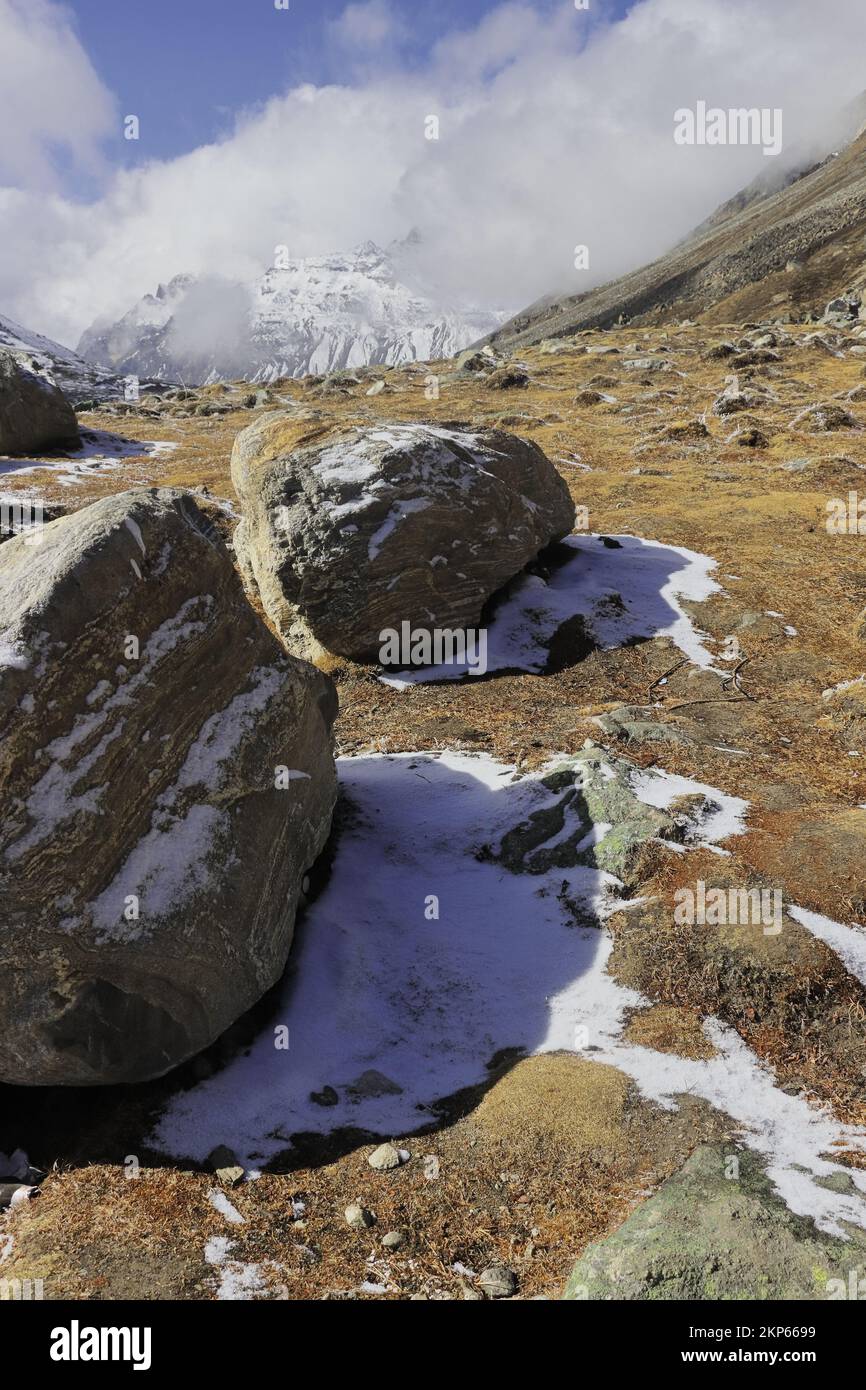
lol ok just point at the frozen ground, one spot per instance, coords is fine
(625, 587)
(394, 1007)
(849, 942)
(99, 451)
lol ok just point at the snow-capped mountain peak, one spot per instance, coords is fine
(304, 315)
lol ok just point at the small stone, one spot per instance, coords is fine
(507, 378)
(230, 1176)
(17, 1165)
(471, 1295)
(752, 439)
(823, 418)
(498, 1282)
(392, 1240)
(686, 432)
(372, 1084)
(385, 1158)
(358, 1217)
(647, 364)
(327, 1096)
(221, 1157)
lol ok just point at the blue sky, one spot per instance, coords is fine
(186, 67)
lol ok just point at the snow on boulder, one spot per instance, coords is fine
(33, 411)
(166, 776)
(374, 527)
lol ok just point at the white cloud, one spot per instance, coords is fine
(211, 311)
(553, 133)
(50, 96)
(367, 25)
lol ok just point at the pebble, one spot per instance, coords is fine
(327, 1096)
(498, 1282)
(392, 1240)
(224, 1163)
(221, 1157)
(358, 1217)
(17, 1165)
(231, 1176)
(385, 1158)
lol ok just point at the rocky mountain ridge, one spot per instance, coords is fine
(79, 380)
(306, 315)
(781, 248)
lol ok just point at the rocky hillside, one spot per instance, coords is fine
(782, 248)
(317, 314)
(80, 381)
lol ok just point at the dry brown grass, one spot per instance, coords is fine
(560, 1137)
(556, 1153)
(666, 1028)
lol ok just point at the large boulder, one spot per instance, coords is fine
(719, 1231)
(370, 528)
(843, 311)
(166, 777)
(33, 411)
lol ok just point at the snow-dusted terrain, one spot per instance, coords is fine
(79, 380)
(394, 1007)
(98, 452)
(624, 586)
(313, 315)
(404, 984)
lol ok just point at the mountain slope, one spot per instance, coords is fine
(79, 380)
(317, 314)
(777, 252)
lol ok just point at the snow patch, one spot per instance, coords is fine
(849, 943)
(377, 981)
(221, 1203)
(626, 591)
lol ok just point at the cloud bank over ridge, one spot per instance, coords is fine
(555, 129)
